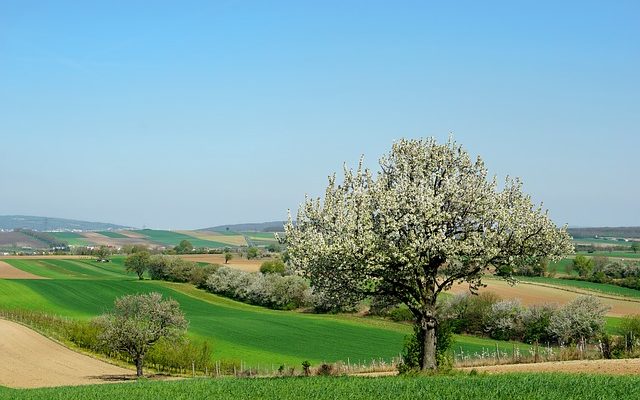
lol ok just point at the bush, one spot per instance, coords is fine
(469, 312)
(584, 265)
(325, 370)
(401, 314)
(85, 335)
(270, 290)
(630, 328)
(580, 319)
(413, 345)
(273, 267)
(181, 355)
(504, 320)
(535, 323)
(176, 269)
(252, 252)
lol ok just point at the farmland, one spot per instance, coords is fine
(152, 238)
(461, 386)
(81, 288)
(585, 285)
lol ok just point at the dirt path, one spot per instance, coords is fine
(530, 294)
(30, 360)
(605, 367)
(8, 271)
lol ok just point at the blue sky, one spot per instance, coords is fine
(192, 114)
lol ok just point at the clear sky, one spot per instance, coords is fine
(191, 114)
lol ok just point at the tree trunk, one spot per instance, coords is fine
(139, 360)
(429, 340)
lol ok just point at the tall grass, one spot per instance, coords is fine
(494, 387)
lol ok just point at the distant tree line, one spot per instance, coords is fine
(601, 269)
(590, 248)
(618, 232)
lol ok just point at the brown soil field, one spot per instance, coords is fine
(31, 360)
(117, 242)
(232, 240)
(530, 294)
(604, 367)
(8, 271)
(239, 263)
(9, 239)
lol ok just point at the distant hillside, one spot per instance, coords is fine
(274, 226)
(52, 224)
(629, 232)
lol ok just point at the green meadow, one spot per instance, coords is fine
(453, 387)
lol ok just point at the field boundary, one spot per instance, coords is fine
(582, 291)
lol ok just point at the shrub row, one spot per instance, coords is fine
(485, 314)
(270, 290)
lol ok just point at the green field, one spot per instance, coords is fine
(113, 235)
(616, 254)
(458, 387)
(170, 238)
(84, 288)
(596, 287)
(260, 238)
(560, 267)
(72, 238)
(611, 242)
(73, 269)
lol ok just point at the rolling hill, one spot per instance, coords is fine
(9, 222)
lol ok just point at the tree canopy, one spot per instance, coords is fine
(429, 218)
(138, 262)
(139, 321)
(184, 246)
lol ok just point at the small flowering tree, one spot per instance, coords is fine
(580, 319)
(138, 321)
(428, 219)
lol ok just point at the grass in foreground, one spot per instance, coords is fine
(494, 387)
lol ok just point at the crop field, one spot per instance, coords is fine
(72, 269)
(615, 254)
(171, 238)
(112, 234)
(530, 293)
(243, 264)
(591, 286)
(73, 238)
(82, 288)
(228, 239)
(459, 387)
(17, 240)
(146, 237)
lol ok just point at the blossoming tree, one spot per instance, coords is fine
(428, 219)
